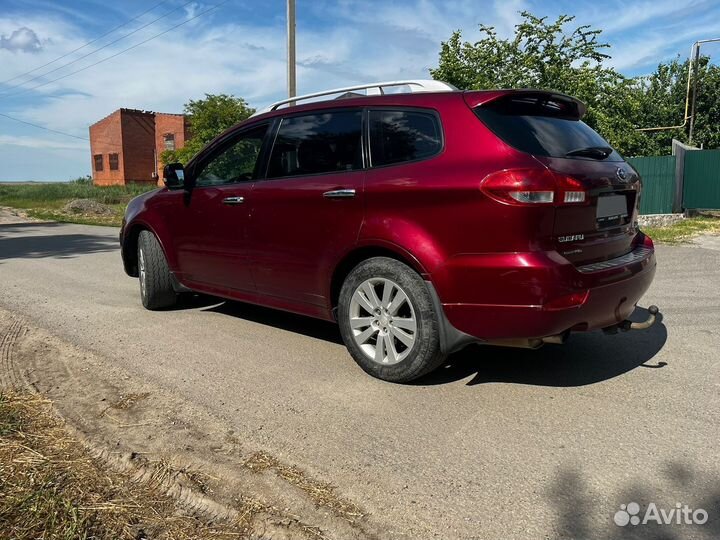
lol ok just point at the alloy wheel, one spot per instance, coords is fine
(383, 322)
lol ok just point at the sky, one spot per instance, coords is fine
(239, 48)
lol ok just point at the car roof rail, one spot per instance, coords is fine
(415, 85)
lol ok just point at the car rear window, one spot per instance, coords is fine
(540, 128)
(397, 136)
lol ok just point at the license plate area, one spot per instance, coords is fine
(611, 210)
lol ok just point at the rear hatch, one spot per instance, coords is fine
(599, 224)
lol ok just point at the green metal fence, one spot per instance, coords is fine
(702, 179)
(658, 176)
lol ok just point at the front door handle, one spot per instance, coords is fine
(339, 194)
(233, 200)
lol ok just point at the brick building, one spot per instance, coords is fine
(126, 145)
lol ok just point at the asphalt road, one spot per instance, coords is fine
(498, 444)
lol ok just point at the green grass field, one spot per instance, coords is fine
(47, 200)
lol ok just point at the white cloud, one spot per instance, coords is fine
(23, 39)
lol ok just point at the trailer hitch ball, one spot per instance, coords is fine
(652, 311)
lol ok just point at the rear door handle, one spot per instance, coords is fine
(339, 194)
(233, 200)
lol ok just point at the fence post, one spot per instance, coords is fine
(678, 150)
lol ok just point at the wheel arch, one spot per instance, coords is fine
(367, 251)
(130, 246)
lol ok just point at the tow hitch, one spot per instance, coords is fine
(627, 325)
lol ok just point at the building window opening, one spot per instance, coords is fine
(169, 140)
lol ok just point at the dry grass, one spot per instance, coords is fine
(321, 493)
(52, 488)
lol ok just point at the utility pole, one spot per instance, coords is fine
(291, 80)
(695, 61)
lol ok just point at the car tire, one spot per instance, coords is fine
(388, 322)
(156, 288)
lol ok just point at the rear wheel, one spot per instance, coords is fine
(388, 322)
(156, 289)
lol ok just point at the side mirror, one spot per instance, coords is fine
(174, 175)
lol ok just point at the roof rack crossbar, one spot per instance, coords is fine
(415, 85)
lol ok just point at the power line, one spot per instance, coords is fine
(26, 90)
(98, 49)
(104, 141)
(43, 127)
(85, 45)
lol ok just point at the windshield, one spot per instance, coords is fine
(541, 133)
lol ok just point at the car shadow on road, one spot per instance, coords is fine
(16, 243)
(299, 324)
(586, 358)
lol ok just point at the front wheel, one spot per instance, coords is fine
(156, 288)
(388, 322)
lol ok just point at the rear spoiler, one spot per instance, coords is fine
(572, 108)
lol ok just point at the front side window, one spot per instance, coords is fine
(236, 162)
(114, 161)
(399, 136)
(98, 162)
(317, 143)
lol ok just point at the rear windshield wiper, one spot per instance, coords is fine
(595, 152)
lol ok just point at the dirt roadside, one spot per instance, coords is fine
(13, 215)
(138, 429)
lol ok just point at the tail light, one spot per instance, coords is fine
(647, 242)
(534, 187)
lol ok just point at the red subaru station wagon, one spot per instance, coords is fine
(420, 221)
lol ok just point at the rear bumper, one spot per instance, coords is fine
(520, 287)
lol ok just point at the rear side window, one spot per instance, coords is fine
(399, 136)
(540, 128)
(317, 143)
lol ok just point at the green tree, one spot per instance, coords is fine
(208, 118)
(557, 56)
(540, 55)
(662, 97)
(707, 106)
(553, 56)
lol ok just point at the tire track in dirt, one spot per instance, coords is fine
(9, 375)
